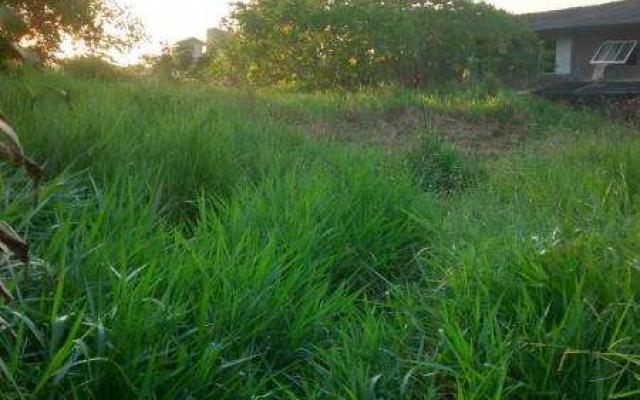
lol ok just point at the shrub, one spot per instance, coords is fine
(354, 43)
(439, 167)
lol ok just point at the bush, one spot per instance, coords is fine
(355, 43)
(439, 167)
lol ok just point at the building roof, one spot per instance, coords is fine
(191, 41)
(626, 12)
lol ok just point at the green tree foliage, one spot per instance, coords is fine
(161, 65)
(362, 42)
(44, 24)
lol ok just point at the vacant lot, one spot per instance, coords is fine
(208, 243)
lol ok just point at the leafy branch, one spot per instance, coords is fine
(11, 244)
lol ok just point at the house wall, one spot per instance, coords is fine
(197, 50)
(585, 45)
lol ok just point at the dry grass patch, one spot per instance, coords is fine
(399, 127)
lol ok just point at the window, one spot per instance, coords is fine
(614, 52)
(564, 56)
(557, 56)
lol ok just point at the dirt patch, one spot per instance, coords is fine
(399, 127)
(477, 136)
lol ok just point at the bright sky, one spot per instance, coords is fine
(171, 20)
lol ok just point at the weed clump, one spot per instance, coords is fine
(439, 167)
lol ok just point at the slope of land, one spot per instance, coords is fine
(208, 243)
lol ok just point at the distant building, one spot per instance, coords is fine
(192, 46)
(186, 55)
(597, 44)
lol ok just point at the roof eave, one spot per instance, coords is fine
(582, 28)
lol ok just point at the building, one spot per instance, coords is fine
(186, 55)
(596, 44)
(191, 53)
(194, 48)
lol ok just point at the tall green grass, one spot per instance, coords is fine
(190, 246)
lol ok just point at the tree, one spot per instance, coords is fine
(365, 42)
(44, 24)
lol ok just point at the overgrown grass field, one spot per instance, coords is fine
(194, 242)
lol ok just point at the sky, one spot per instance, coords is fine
(167, 21)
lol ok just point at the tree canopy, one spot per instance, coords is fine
(355, 42)
(44, 24)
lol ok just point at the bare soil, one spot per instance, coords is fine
(401, 127)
